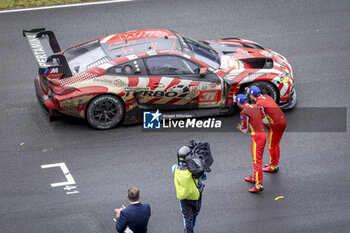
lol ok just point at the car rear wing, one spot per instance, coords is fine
(45, 48)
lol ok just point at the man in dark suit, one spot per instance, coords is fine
(135, 216)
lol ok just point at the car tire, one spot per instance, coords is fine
(105, 112)
(266, 88)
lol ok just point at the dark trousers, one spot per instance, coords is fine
(190, 211)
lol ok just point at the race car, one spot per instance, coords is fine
(112, 80)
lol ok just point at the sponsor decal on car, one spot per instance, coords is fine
(119, 83)
(213, 85)
(38, 50)
(51, 71)
(152, 93)
(69, 108)
(194, 90)
(136, 89)
(194, 83)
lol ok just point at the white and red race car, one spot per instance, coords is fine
(111, 80)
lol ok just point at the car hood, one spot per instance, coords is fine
(243, 56)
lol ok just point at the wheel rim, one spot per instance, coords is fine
(267, 91)
(105, 112)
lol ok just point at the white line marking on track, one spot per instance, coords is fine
(73, 192)
(68, 185)
(65, 171)
(63, 6)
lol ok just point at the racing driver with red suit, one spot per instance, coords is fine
(277, 125)
(252, 118)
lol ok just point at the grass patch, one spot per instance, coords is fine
(14, 4)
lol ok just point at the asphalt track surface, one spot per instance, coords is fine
(314, 176)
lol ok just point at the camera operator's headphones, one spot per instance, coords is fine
(182, 152)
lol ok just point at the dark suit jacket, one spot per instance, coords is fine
(136, 217)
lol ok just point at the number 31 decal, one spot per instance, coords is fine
(208, 96)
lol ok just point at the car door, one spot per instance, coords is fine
(130, 77)
(210, 92)
(177, 84)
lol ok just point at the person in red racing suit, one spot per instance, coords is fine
(277, 125)
(252, 118)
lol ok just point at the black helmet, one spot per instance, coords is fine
(182, 152)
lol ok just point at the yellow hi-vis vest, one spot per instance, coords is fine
(186, 186)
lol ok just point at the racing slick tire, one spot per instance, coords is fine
(266, 88)
(105, 112)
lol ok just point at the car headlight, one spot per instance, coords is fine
(285, 78)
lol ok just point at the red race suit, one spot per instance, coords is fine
(252, 118)
(277, 125)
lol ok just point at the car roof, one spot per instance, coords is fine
(132, 42)
(136, 35)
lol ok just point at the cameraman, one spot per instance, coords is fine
(188, 189)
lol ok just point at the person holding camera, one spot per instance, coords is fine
(252, 118)
(135, 216)
(189, 188)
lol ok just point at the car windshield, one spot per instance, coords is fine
(203, 53)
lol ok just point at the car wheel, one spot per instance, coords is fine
(105, 112)
(267, 88)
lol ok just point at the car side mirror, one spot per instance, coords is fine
(203, 71)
